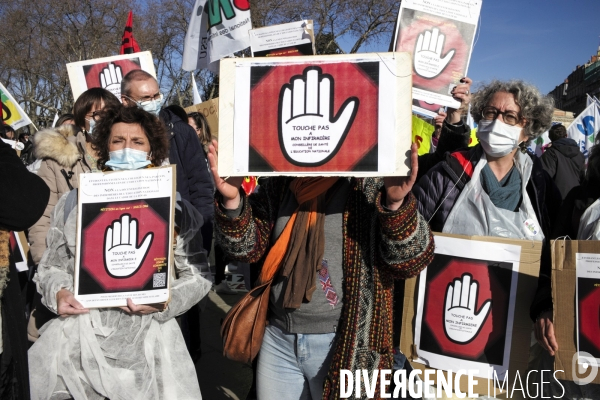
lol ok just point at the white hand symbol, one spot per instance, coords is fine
(110, 79)
(122, 257)
(428, 54)
(308, 132)
(461, 323)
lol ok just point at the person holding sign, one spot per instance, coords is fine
(337, 245)
(131, 352)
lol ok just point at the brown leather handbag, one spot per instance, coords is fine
(244, 325)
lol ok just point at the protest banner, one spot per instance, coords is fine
(440, 36)
(107, 72)
(125, 232)
(342, 115)
(576, 290)
(585, 128)
(12, 113)
(461, 313)
(217, 29)
(210, 110)
(291, 39)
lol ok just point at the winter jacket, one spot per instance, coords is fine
(22, 201)
(379, 246)
(63, 160)
(439, 189)
(193, 178)
(564, 162)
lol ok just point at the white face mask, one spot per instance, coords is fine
(127, 159)
(151, 106)
(497, 138)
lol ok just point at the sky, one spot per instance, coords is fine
(538, 41)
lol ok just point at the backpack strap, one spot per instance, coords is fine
(70, 204)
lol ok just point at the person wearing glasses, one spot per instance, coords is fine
(497, 188)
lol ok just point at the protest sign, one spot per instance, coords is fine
(217, 29)
(576, 290)
(343, 115)
(210, 110)
(461, 313)
(292, 39)
(12, 113)
(107, 72)
(440, 36)
(124, 237)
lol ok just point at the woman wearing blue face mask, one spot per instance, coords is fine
(130, 352)
(497, 188)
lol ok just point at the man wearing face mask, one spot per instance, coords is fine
(496, 188)
(139, 88)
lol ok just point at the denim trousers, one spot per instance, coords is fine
(292, 365)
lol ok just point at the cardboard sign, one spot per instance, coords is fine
(342, 115)
(461, 313)
(576, 291)
(107, 72)
(292, 39)
(210, 110)
(439, 34)
(124, 237)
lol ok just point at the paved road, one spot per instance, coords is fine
(219, 377)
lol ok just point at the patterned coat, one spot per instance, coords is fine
(379, 246)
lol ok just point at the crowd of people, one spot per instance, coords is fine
(363, 236)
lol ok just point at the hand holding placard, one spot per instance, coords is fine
(122, 257)
(308, 130)
(461, 322)
(428, 60)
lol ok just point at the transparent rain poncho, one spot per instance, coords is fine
(109, 353)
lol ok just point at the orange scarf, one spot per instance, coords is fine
(299, 249)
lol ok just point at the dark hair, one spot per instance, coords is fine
(7, 128)
(179, 111)
(202, 123)
(88, 99)
(557, 131)
(134, 75)
(64, 118)
(151, 125)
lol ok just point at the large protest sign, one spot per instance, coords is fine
(210, 110)
(217, 29)
(461, 313)
(12, 113)
(107, 72)
(328, 115)
(576, 291)
(439, 34)
(124, 237)
(585, 128)
(291, 39)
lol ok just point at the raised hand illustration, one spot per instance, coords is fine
(428, 60)
(110, 79)
(461, 322)
(309, 134)
(122, 256)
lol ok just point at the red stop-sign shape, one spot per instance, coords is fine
(588, 316)
(494, 326)
(93, 242)
(349, 80)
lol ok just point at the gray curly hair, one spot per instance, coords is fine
(536, 108)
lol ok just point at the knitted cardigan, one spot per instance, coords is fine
(379, 246)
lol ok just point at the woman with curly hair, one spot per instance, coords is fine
(131, 352)
(496, 188)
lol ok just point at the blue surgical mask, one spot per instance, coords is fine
(92, 123)
(152, 106)
(127, 159)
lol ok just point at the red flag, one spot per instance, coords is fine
(128, 44)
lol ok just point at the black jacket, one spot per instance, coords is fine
(23, 199)
(193, 178)
(564, 162)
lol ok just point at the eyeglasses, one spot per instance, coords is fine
(156, 97)
(510, 117)
(95, 115)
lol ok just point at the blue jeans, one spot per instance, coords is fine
(293, 366)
